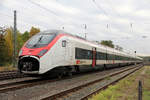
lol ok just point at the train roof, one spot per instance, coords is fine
(52, 32)
(59, 32)
(111, 50)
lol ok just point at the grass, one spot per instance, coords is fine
(146, 87)
(127, 89)
(146, 94)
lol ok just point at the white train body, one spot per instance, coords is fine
(66, 50)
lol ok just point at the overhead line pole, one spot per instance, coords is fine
(85, 27)
(14, 40)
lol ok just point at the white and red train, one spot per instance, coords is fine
(58, 51)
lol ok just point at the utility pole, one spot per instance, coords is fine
(14, 40)
(85, 35)
(85, 27)
(135, 57)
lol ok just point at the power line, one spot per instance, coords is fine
(109, 2)
(52, 12)
(99, 7)
(48, 10)
(5, 15)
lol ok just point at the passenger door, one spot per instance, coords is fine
(93, 57)
(68, 51)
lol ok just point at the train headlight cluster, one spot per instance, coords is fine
(42, 52)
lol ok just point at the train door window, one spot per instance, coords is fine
(64, 43)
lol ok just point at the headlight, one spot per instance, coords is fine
(20, 52)
(42, 52)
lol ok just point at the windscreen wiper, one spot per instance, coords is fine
(38, 41)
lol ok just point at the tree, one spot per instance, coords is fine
(7, 50)
(33, 31)
(3, 50)
(20, 41)
(25, 36)
(108, 43)
(9, 40)
(6, 42)
(117, 47)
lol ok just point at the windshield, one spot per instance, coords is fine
(40, 40)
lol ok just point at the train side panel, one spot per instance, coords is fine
(58, 55)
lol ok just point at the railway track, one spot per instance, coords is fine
(26, 82)
(12, 85)
(74, 84)
(85, 90)
(4, 72)
(5, 75)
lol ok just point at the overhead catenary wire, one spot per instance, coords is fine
(2, 14)
(100, 8)
(10, 20)
(105, 13)
(50, 11)
(110, 17)
(110, 5)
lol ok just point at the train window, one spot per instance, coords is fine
(88, 53)
(101, 56)
(109, 56)
(64, 43)
(98, 55)
(40, 40)
(116, 57)
(83, 53)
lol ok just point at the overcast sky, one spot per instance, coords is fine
(125, 22)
